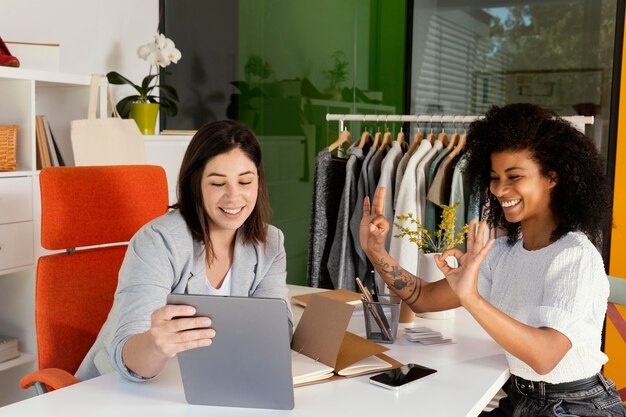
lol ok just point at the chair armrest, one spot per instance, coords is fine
(53, 378)
(616, 318)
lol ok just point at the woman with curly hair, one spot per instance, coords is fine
(541, 291)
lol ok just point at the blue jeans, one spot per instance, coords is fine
(600, 400)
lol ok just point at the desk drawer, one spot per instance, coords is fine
(16, 199)
(16, 245)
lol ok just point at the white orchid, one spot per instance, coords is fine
(161, 52)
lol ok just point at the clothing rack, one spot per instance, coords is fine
(578, 122)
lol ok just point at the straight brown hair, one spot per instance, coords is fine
(210, 140)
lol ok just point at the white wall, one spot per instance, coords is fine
(96, 37)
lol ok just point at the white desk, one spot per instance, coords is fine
(470, 373)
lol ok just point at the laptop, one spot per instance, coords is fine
(249, 362)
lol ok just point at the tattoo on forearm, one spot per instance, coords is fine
(399, 279)
(410, 303)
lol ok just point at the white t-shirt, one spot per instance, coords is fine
(224, 289)
(562, 286)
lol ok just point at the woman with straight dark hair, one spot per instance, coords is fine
(215, 241)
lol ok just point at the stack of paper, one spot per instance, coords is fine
(8, 348)
(426, 336)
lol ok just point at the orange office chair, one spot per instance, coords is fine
(85, 206)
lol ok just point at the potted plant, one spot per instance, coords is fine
(429, 245)
(258, 67)
(144, 106)
(241, 107)
(336, 75)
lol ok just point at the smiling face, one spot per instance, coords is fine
(522, 190)
(230, 185)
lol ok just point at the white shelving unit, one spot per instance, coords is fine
(20, 360)
(167, 151)
(25, 94)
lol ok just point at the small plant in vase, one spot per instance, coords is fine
(144, 106)
(445, 237)
(337, 75)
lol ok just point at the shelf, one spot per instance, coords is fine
(164, 138)
(11, 174)
(22, 359)
(7, 271)
(58, 79)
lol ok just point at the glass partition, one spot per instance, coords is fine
(468, 56)
(280, 66)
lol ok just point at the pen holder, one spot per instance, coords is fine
(381, 318)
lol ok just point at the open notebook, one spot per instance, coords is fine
(322, 349)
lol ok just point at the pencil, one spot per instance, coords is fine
(373, 310)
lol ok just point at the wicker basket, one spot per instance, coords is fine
(7, 148)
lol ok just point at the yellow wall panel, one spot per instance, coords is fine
(615, 347)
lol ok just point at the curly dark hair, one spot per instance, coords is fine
(581, 198)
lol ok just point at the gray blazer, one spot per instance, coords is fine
(163, 258)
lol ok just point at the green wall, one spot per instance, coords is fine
(291, 52)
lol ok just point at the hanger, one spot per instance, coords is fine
(365, 137)
(400, 139)
(459, 146)
(431, 135)
(344, 137)
(386, 141)
(454, 139)
(377, 136)
(386, 138)
(442, 137)
(417, 138)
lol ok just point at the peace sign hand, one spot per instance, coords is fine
(374, 227)
(464, 279)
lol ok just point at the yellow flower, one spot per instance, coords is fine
(444, 235)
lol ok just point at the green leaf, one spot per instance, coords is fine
(170, 106)
(145, 84)
(169, 92)
(123, 106)
(117, 79)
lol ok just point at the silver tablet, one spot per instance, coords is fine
(249, 362)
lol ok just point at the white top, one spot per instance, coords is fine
(562, 286)
(224, 289)
(388, 180)
(400, 249)
(421, 173)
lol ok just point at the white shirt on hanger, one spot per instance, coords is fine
(421, 175)
(400, 249)
(387, 179)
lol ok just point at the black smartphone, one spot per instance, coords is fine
(399, 377)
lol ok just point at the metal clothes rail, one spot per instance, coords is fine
(577, 121)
